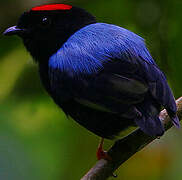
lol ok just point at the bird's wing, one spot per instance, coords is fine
(107, 90)
(160, 89)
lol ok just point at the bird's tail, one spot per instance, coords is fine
(173, 116)
(150, 125)
(149, 122)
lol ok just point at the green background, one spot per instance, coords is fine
(38, 142)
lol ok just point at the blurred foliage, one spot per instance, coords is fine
(37, 141)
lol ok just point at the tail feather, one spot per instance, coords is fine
(172, 114)
(150, 125)
(175, 121)
(150, 122)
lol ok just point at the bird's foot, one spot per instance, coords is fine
(101, 154)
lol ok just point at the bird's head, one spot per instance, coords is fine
(44, 29)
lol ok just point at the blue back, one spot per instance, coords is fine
(87, 49)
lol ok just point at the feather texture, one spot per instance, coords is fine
(95, 44)
(104, 68)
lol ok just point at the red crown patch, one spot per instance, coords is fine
(52, 7)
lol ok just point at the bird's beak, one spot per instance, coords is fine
(14, 31)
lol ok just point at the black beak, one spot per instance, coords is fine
(14, 31)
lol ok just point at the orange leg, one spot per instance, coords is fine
(101, 154)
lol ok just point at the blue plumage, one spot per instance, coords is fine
(109, 66)
(95, 44)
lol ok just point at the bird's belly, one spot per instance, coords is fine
(104, 124)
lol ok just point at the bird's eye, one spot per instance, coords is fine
(46, 22)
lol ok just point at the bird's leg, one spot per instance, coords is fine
(101, 154)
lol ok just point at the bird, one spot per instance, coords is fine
(101, 75)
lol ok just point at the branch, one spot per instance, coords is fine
(123, 149)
